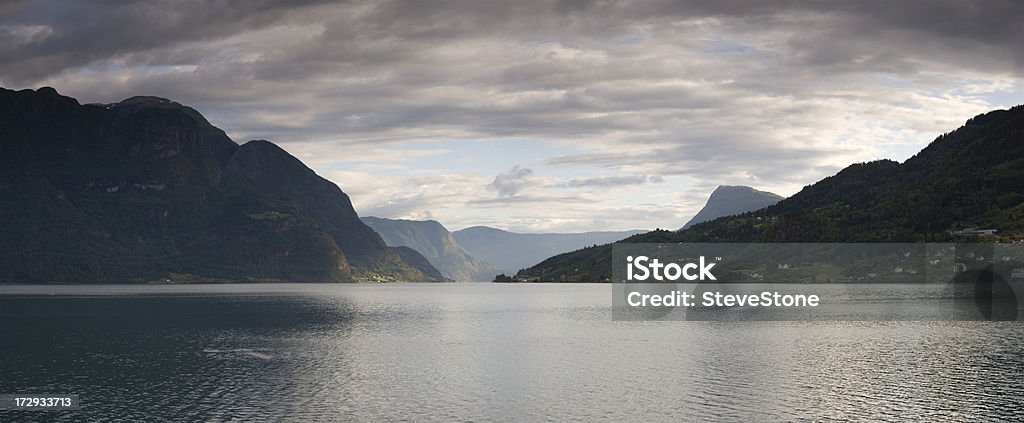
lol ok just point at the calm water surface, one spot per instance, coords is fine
(475, 352)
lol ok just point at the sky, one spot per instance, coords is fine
(542, 116)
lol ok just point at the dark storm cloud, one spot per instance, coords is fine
(74, 33)
(71, 34)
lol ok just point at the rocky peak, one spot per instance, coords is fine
(727, 200)
(133, 105)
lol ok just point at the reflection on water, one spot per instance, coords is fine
(480, 352)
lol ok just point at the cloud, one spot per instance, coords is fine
(527, 199)
(510, 182)
(607, 181)
(384, 95)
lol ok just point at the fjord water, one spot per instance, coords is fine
(479, 352)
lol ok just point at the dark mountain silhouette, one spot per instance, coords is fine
(511, 251)
(433, 240)
(147, 189)
(972, 177)
(728, 200)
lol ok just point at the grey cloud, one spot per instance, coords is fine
(82, 32)
(403, 206)
(735, 91)
(528, 199)
(382, 32)
(509, 183)
(607, 181)
(715, 160)
(396, 207)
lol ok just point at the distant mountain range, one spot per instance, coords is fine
(510, 251)
(433, 240)
(147, 190)
(728, 200)
(972, 177)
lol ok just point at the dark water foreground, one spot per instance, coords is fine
(479, 352)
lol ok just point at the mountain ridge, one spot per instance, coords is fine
(970, 177)
(149, 190)
(728, 200)
(511, 251)
(431, 239)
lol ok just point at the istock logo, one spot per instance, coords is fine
(642, 268)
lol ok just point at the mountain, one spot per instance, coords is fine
(433, 240)
(148, 190)
(511, 251)
(728, 200)
(972, 177)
